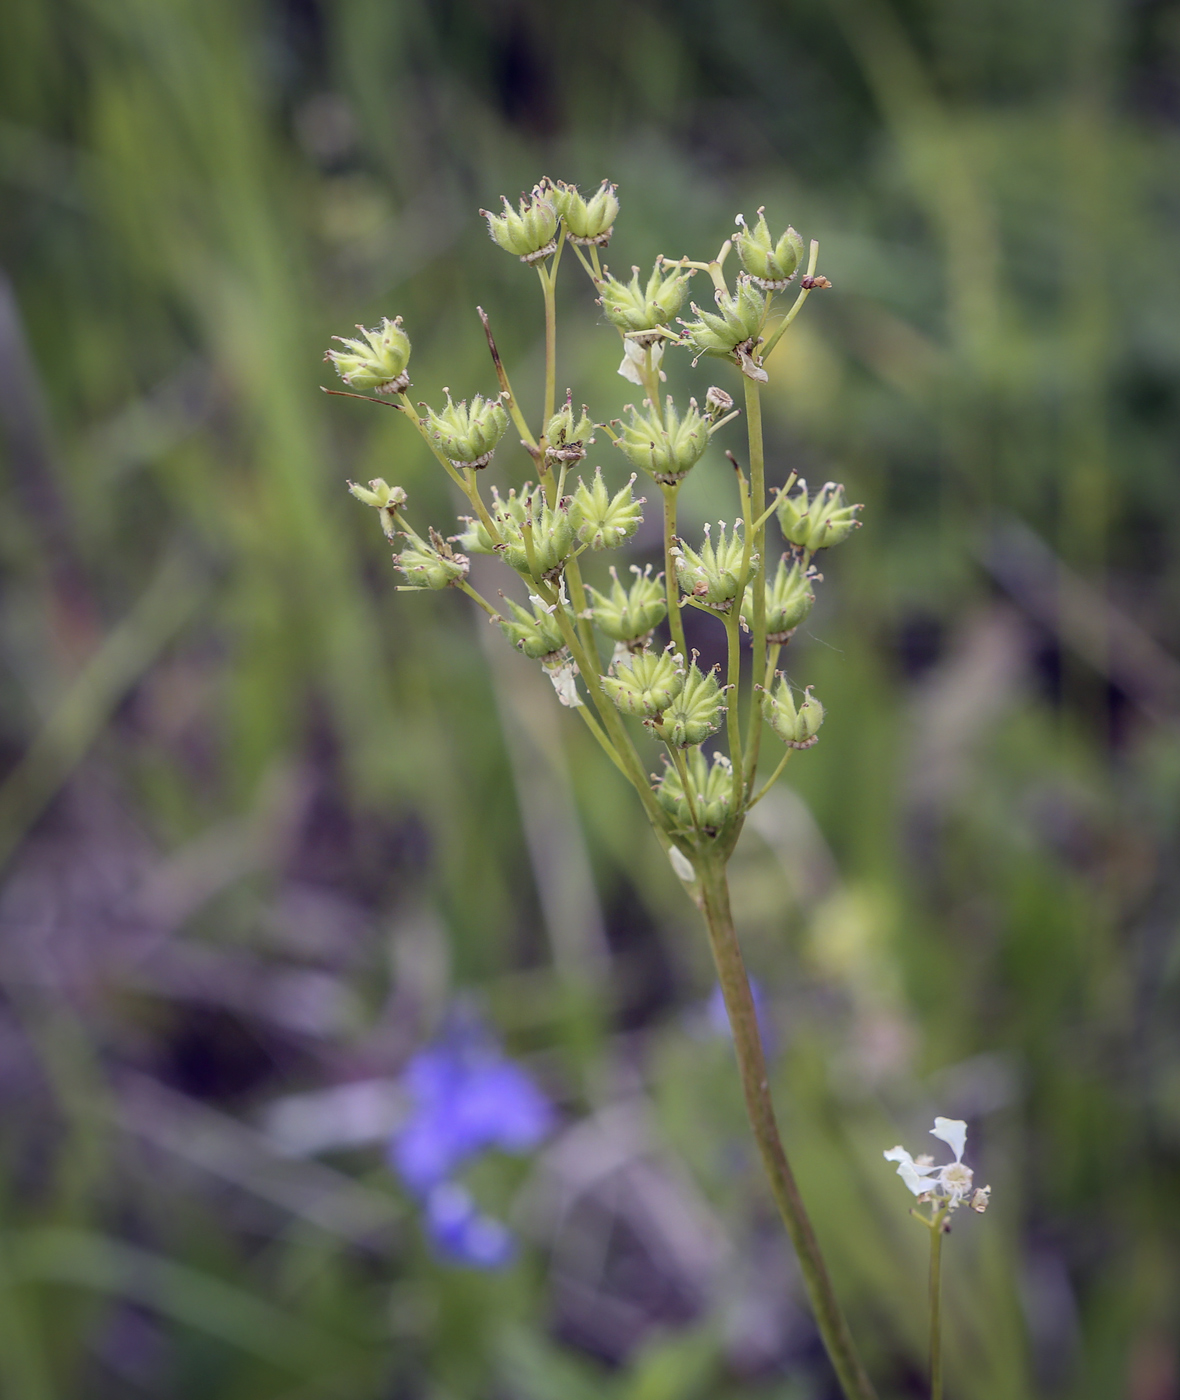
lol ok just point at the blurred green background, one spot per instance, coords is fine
(263, 818)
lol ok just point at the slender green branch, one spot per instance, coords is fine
(758, 542)
(478, 598)
(770, 782)
(937, 1230)
(607, 713)
(675, 621)
(549, 287)
(573, 574)
(733, 727)
(599, 733)
(804, 293)
(743, 1020)
(682, 768)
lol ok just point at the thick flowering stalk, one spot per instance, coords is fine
(651, 690)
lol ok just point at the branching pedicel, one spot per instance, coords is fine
(542, 530)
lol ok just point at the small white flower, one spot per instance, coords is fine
(949, 1185)
(634, 360)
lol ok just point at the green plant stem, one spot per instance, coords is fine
(804, 293)
(757, 511)
(770, 782)
(675, 621)
(611, 721)
(733, 728)
(937, 1231)
(739, 1006)
(682, 768)
(549, 287)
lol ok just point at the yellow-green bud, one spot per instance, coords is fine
(378, 361)
(797, 726)
(566, 436)
(386, 500)
(536, 538)
(601, 520)
(667, 449)
(587, 220)
(820, 522)
(788, 601)
(630, 615)
(771, 265)
(709, 785)
(713, 576)
(634, 308)
(646, 683)
(694, 714)
(467, 434)
(536, 634)
(434, 565)
(738, 323)
(532, 233)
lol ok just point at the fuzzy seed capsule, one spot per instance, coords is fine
(772, 266)
(797, 726)
(530, 233)
(634, 308)
(646, 683)
(694, 714)
(378, 361)
(667, 449)
(818, 522)
(467, 434)
(630, 615)
(587, 220)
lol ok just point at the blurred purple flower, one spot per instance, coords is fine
(467, 1098)
(461, 1234)
(718, 1017)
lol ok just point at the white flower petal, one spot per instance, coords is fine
(952, 1131)
(913, 1178)
(913, 1175)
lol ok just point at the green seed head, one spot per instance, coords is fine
(467, 434)
(532, 233)
(771, 265)
(667, 450)
(566, 436)
(630, 615)
(820, 522)
(694, 714)
(536, 538)
(634, 308)
(710, 787)
(587, 220)
(713, 575)
(536, 634)
(434, 565)
(788, 601)
(377, 361)
(737, 321)
(646, 683)
(601, 520)
(796, 725)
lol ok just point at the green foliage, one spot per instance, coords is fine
(966, 897)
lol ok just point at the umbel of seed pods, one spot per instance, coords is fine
(541, 530)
